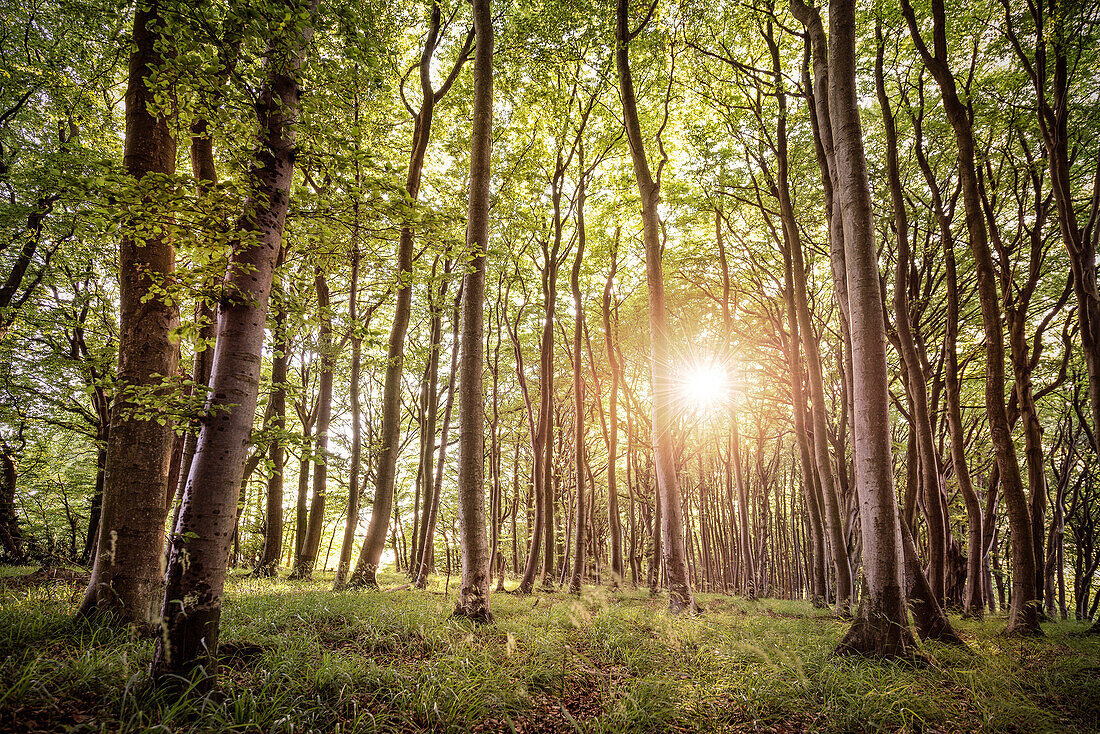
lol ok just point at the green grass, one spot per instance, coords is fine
(298, 658)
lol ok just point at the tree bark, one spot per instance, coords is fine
(881, 627)
(375, 540)
(273, 525)
(473, 597)
(311, 544)
(127, 573)
(681, 598)
(200, 545)
(1023, 614)
(918, 388)
(581, 524)
(618, 572)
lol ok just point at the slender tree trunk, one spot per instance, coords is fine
(681, 598)
(578, 395)
(375, 540)
(316, 524)
(196, 567)
(273, 526)
(473, 598)
(618, 572)
(818, 584)
(351, 520)
(427, 546)
(918, 388)
(1023, 614)
(973, 602)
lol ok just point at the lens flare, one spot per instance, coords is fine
(705, 386)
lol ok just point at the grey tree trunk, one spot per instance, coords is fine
(881, 626)
(473, 596)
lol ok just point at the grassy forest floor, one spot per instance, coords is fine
(298, 658)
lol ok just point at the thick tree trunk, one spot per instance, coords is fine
(127, 573)
(881, 625)
(473, 597)
(681, 598)
(196, 567)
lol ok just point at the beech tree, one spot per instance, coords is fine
(201, 540)
(126, 574)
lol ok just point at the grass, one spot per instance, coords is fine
(298, 658)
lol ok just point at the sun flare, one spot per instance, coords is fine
(705, 386)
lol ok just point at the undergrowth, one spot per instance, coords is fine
(296, 657)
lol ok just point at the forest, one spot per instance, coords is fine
(549, 366)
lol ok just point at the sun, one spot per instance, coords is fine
(705, 386)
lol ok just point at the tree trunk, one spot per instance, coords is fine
(918, 388)
(618, 572)
(273, 525)
(375, 540)
(126, 574)
(881, 625)
(1023, 614)
(473, 597)
(11, 535)
(316, 525)
(351, 519)
(681, 598)
(973, 602)
(426, 563)
(578, 397)
(196, 567)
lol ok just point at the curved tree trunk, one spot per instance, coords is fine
(1024, 613)
(918, 388)
(200, 545)
(681, 598)
(375, 541)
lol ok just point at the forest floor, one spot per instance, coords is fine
(296, 657)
